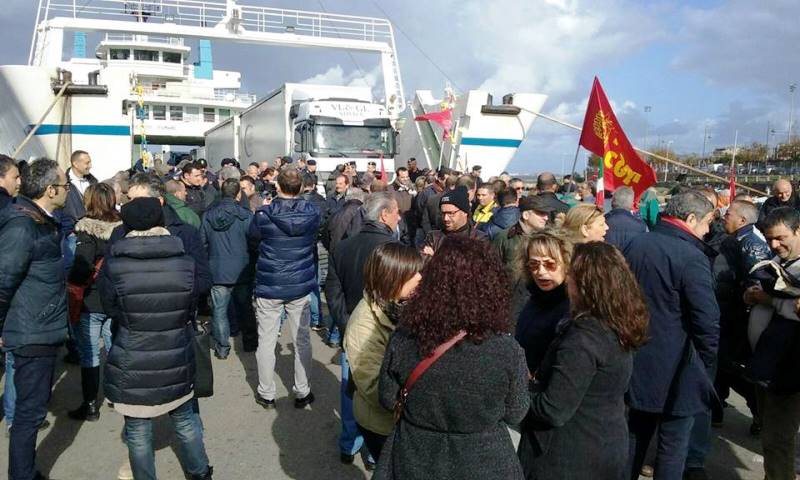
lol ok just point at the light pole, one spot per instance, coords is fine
(792, 88)
(705, 137)
(647, 109)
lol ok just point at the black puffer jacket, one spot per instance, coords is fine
(33, 296)
(148, 288)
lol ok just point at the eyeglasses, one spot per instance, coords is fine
(549, 265)
(451, 214)
(64, 186)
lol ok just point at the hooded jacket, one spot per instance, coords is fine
(502, 219)
(286, 231)
(33, 295)
(192, 244)
(224, 234)
(151, 361)
(90, 246)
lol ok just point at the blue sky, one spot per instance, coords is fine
(724, 65)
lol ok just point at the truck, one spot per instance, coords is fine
(329, 124)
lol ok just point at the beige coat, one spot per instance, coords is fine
(365, 341)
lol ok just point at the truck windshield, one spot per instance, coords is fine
(348, 139)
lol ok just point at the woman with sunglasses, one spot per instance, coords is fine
(391, 275)
(576, 426)
(540, 296)
(585, 223)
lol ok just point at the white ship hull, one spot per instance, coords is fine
(92, 123)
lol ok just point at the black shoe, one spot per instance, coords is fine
(221, 356)
(267, 404)
(370, 466)
(206, 476)
(73, 358)
(302, 402)
(39, 476)
(249, 347)
(755, 428)
(346, 458)
(317, 328)
(697, 473)
(89, 412)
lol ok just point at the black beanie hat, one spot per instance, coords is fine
(142, 213)
(458, 197)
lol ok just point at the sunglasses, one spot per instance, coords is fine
(549, 265)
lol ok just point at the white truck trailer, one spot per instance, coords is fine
(330, 124)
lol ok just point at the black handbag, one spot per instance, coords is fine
(204, 373)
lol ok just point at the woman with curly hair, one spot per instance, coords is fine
(539, 299)
(585, 223)
(453, 423)
(391, 275)
(576, 426)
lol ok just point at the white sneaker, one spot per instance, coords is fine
(125, 472)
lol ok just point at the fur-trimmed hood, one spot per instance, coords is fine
(96, 228)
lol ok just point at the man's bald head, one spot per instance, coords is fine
(546, 182)
(782, 190)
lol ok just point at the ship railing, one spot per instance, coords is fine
(208, 13)
(197, 94)
(127, 37)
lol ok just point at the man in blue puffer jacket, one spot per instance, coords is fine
(506, 216)
(286, 274)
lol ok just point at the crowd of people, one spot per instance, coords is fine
(460, 308)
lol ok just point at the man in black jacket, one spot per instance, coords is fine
(547, 186)
(311, 195)
(783, 195)
(623, 226)
(33, 308)
(345, 286)
(79, 178)
(149, 185)
(200, 194)
(9, 181)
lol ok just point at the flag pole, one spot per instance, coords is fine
(575, 160)
(651, 154)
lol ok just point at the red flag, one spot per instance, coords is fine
(444, 119)
(383, 170)
(732, 185)
(602, 135)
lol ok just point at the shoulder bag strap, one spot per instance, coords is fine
(421, 367)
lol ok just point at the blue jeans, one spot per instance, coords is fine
(88, 332)
(350, 440)
(9, 392)
(221, 296)
(33, 378)
(699, 441)
(315, 305)
(673, 443)
(189, 430)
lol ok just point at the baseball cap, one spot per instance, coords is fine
(535, 202)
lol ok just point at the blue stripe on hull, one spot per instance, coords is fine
(491, 142)
(55, 129)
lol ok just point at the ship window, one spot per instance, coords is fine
(224, 113)
(192, 114)
(146, 55)
(171, 57)
(176, 113)
(209, 115)
(159, 112)
(119, 54)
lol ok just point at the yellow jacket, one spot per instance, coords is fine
(483, 214)
(365, 341)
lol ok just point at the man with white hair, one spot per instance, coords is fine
(623, 226)
(782, 196)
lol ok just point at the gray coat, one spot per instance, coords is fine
(576, 428)
(454, 423)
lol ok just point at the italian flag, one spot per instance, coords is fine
(600, 194)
